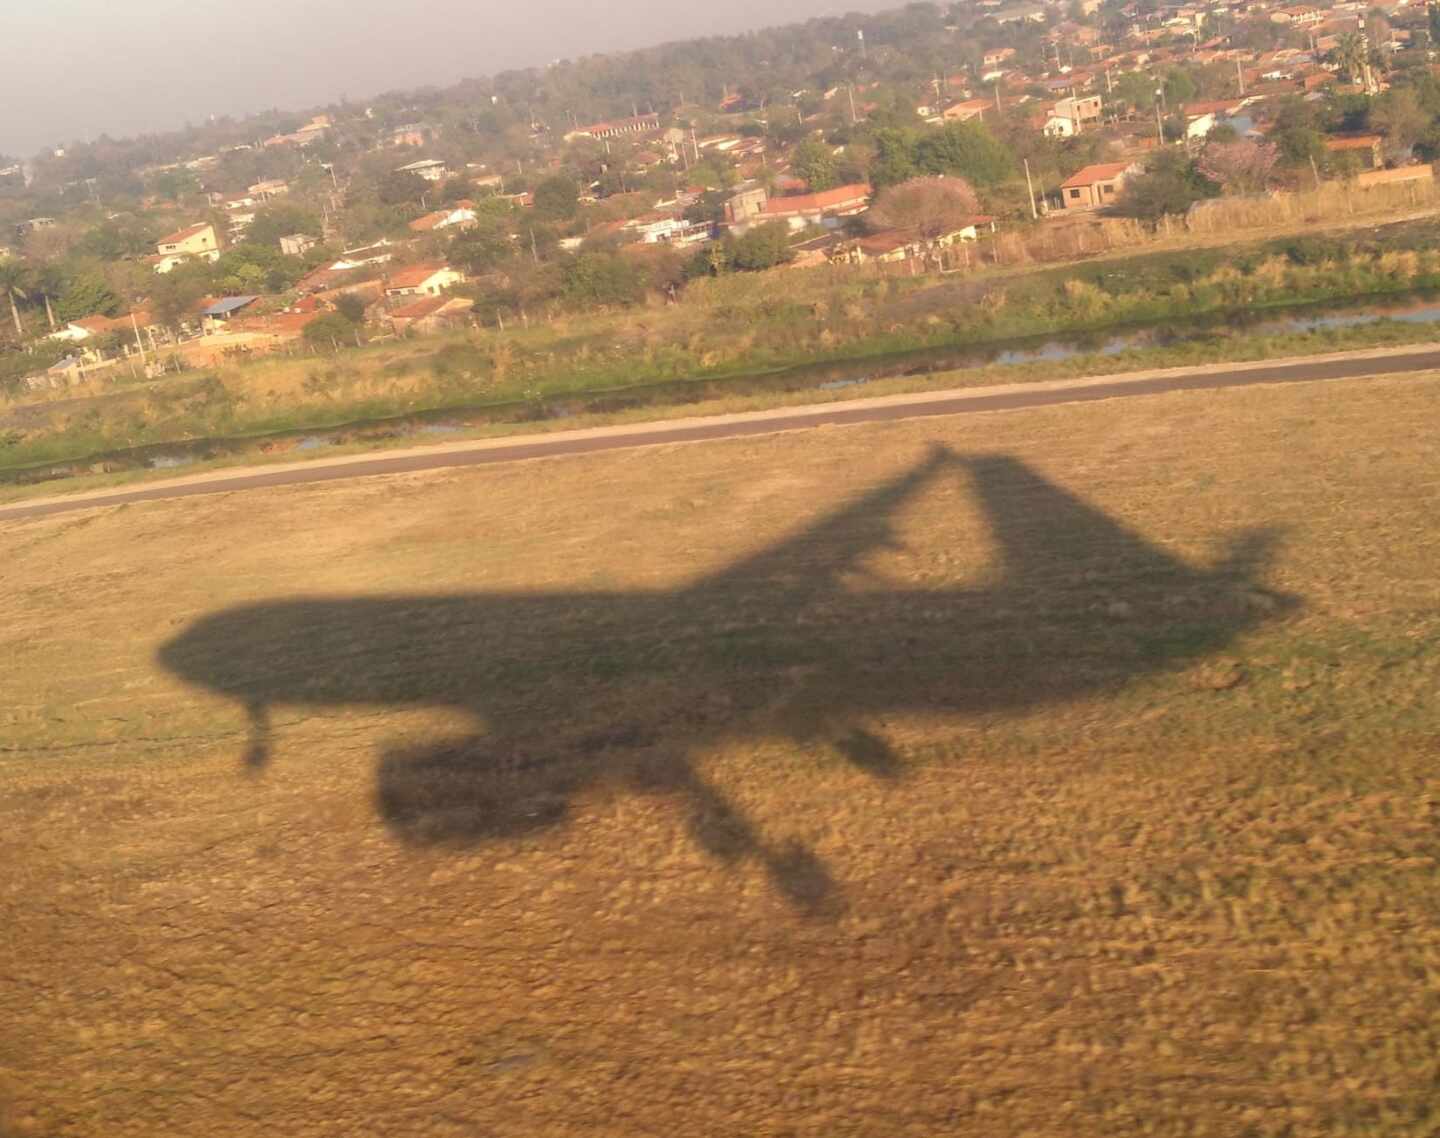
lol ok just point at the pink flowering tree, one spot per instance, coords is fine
(1243, 167)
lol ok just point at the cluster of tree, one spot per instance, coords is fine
(763, 247)
(964, 149)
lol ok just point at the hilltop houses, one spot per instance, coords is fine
(191, 243)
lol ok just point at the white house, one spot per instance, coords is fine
(431, 169)
(423, 280)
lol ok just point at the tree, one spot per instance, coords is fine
(483, 246)
(894, 160)
(604, 278)
(332, 328)
(556, 199)
(1172, 184)
(1398, 115)
(815, 162)
(400, 187)
(351, 305)
(86, 294)
(1349, 55)
(1242, 167)
(176, 293)
(456, 190)
(1179, 88)
(116, 239)
(930, 206)
(281, 219)
(967, 149)
(708, 210)
(14, 286)
(763, 247)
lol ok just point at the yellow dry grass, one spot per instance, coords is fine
(1191, 899)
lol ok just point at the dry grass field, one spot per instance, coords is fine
(1062, 772)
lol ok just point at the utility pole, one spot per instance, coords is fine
(139, 343)
(1030, 188)
(850, 87)
(1159, 123)
(998, 108)
(534, 251)
(1240, 76)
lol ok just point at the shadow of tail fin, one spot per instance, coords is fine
(1247, 554)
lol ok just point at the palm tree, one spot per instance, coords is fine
(1349, 53)
(49, 282)
(14, 281)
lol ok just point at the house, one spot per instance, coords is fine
(1199, 126)
(1019, 14)
(195, 241)
(423, 280)
(1366, 147)
(412, 134)
(997, 56)
(34, 225)
(431, 169)
(1069, 116)
(430, 314)
(896, 245)
(214, 316)
(297, 244)
(1082, 110)
(461, 214)
(746, 204)
(271, 188)
(1095, 186)
(310, 133)
(967, 110)
(91, 328)
(376, 254)
(619, 128)
(667, 229)
(887, 247)
(800, 210)
(1300, 16)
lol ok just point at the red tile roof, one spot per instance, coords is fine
(1355, 142)
(184, 234)
(1103, 172)
(415, 276)
(825, 199)
(420, 308)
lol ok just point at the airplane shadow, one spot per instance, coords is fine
(572, 689)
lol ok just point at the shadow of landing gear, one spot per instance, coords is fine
(469, 791)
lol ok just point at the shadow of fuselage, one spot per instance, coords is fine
(792, 643)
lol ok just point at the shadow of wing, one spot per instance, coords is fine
(1046, 533)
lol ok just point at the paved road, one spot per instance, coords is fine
(726, 427)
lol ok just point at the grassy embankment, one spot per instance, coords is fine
(747, 326)
(1100, 850)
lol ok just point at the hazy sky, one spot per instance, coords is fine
(78, 68)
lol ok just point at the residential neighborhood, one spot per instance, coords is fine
(1035, 116)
